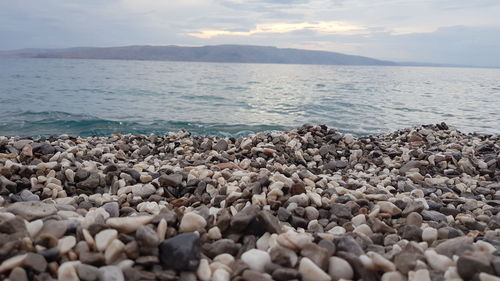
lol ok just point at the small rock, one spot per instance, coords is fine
(311, 272)
(256, 259)
(340, 269)
(31, 210)
(181, 252)
(104, 238)
(143, 191)
(87, 272)
(67, 271)
(111, 273)
(18, 274)
(65, 244)
(128, 224)
(112, 208)
(241, 220)
(429, 234)
(113, 251)
(204, 273)
(36, 262)
(191, 222)
(174, 180)
(419, 275)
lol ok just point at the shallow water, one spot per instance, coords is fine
(99, 97)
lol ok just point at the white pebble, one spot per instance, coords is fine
(340, 269)
(256, 259)
(191, 222)
(311, 272)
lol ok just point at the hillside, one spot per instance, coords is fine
(219, 53)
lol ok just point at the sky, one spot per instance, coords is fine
(465, 32)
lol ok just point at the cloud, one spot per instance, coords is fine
(450, 31)
(321, 27)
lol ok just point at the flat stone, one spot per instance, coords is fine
(181, 252)
(430, 215)
(32, 210)
(54, 227)
(128, 224)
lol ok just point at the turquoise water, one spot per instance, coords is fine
(99, 97)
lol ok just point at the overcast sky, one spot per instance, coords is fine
(437, 31)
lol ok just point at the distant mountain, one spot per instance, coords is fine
(218, 53)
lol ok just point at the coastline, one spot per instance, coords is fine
(418, 203)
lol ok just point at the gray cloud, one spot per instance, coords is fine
(440, 31)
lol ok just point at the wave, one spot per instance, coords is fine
(47, 123)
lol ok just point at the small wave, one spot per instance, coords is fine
(36, 124)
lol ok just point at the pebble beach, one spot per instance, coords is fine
(416, 204)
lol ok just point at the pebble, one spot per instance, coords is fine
(113, 251)
(311, 271)
(128, 224)
(65, 244)
(340, 269)
(419, 275)
(87, 272)
(419, 203)
(204, 273)
(31, 210)
(67, 271)
(221, 275)
(191, 222)
(104, 238)
(429, 234)
(111, 273)
(256, 259)
(181, 252)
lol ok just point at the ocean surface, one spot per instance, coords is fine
(99, 97)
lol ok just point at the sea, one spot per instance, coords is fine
(42, 97)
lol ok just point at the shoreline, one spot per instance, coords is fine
(420, 203)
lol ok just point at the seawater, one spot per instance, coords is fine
(99, 97)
